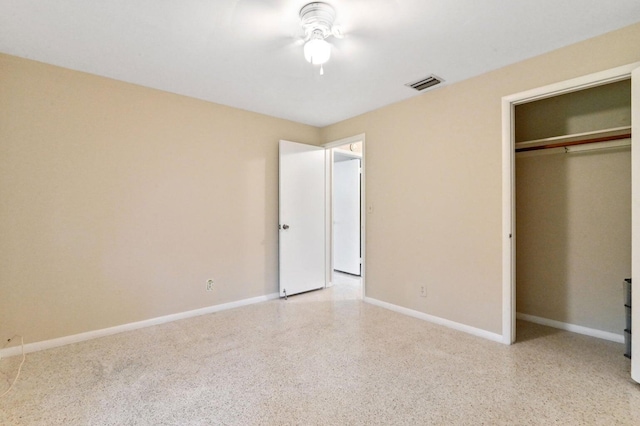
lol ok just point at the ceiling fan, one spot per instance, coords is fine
(316, 28)
(318, 21)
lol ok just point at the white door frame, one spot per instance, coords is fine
(508, 186)
(329, 207)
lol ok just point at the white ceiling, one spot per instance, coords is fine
(245, 53)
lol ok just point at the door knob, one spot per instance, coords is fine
(285, 226)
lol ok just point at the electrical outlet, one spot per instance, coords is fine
(209, 285)
(423, 291)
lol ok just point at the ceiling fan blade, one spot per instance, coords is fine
(337, 31)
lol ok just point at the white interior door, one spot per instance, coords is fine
(346, 216)
(302, 218)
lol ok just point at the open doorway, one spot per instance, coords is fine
(345, 244)
(346, 210)
(306, 218)
(510, 146)
(573, 209)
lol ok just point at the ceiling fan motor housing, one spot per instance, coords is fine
(317, 18)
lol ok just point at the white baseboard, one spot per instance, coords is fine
(75, 338)
(437, 320)
(606, 335)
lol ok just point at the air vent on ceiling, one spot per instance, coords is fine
(425, 83)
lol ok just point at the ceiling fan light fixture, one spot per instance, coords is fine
(317, 51)
(317, 20)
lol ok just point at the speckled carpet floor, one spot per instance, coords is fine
(322, 358)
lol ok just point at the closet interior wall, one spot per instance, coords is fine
(573, 211)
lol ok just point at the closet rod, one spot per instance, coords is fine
(577, 142)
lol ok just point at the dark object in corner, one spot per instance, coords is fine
(627, 309)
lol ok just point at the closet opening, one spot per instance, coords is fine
(572, 218)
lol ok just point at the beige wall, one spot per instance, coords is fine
(118, 202)
(434, 182)
(573, 216)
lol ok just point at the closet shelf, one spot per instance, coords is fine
(611, 134)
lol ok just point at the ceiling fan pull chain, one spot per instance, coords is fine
(321, 69)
